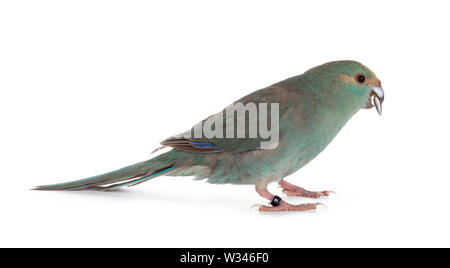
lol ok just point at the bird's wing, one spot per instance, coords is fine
(190, 142)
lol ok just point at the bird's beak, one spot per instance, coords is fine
(376, 98)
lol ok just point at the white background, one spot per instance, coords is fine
(91, 86)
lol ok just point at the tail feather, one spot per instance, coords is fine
(139, 180)
(126, 176)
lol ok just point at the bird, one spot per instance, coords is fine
(309, 110)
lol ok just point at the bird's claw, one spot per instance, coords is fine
(327, 193)
(304, 193)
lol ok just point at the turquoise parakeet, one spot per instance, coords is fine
(310, 110)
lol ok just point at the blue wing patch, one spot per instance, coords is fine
(188, 145)
(204, 145)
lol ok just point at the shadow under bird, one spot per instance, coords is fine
(313, 107)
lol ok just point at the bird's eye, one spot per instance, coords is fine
(360, 78)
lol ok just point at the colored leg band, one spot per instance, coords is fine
(275, 201)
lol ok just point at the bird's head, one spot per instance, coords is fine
(353, 82)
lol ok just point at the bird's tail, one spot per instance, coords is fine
(163, 164)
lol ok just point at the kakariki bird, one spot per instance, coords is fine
(310, 110)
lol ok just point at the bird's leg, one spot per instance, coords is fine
(281, 205)
(293, 190)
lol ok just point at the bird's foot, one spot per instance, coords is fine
(293, 190)
(305, 193)
(284, 206)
